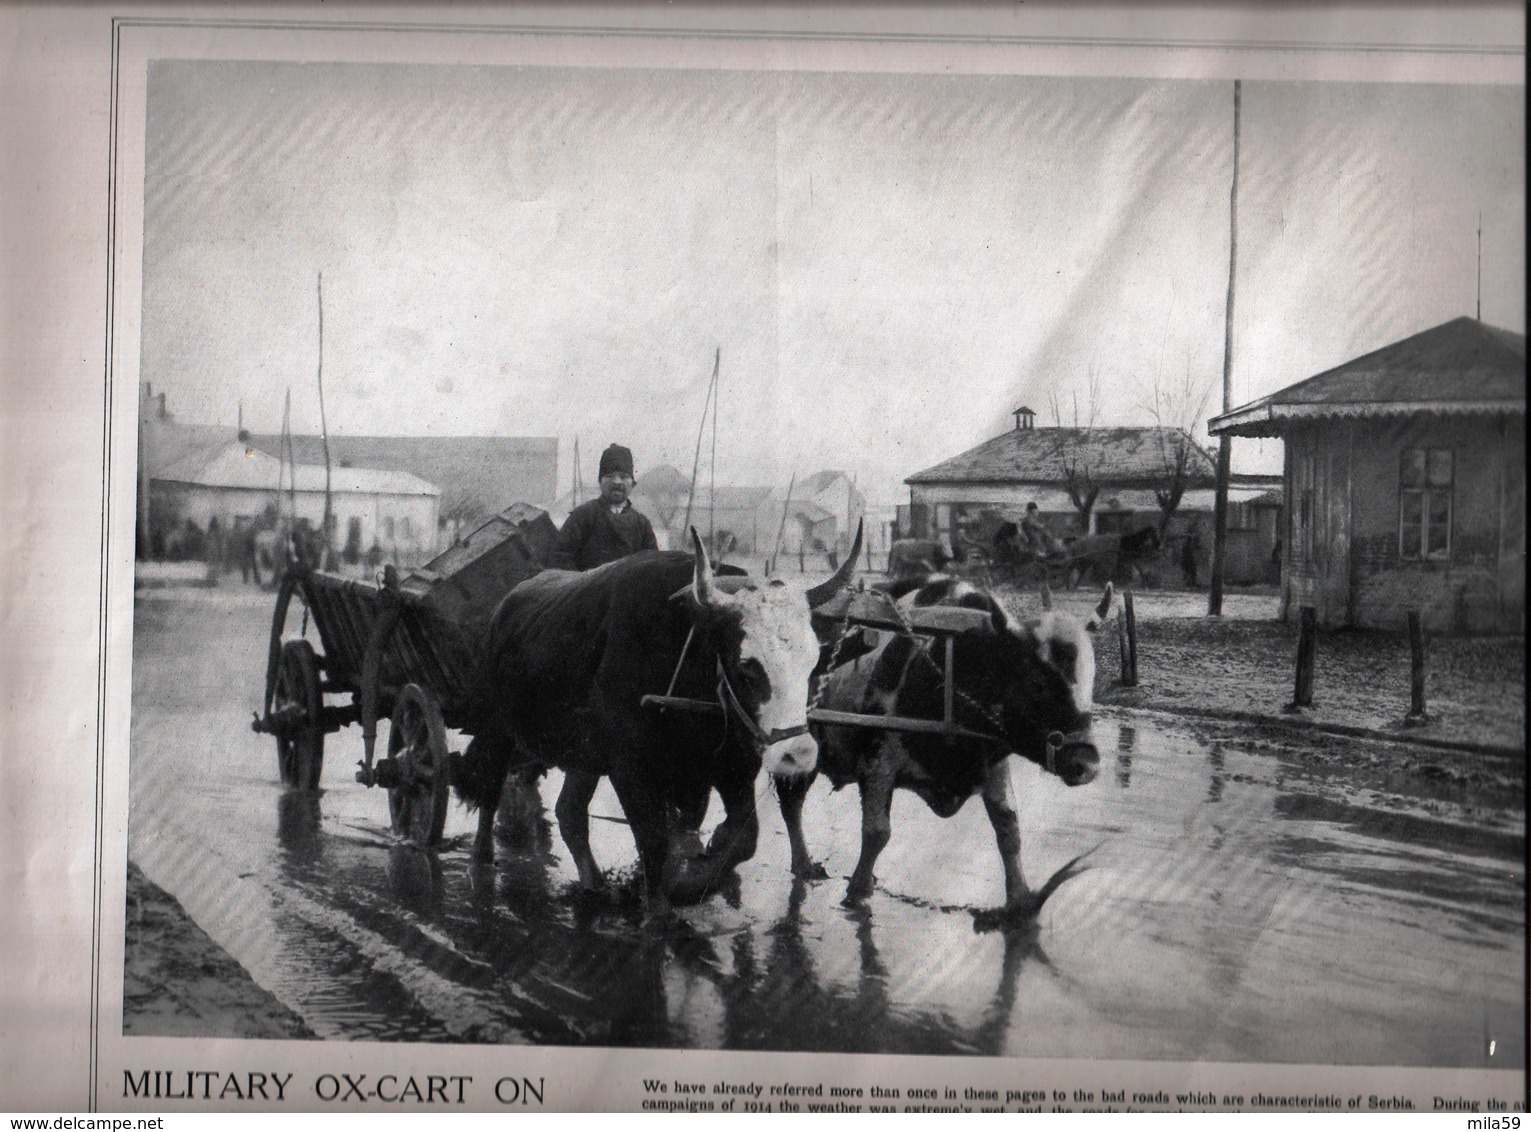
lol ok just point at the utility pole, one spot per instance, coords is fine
(1225, 442)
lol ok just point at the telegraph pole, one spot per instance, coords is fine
(1225, 442)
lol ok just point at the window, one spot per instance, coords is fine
(1424, 504)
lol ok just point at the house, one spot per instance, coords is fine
(822, 510)
(474, 477)
(479, 476)
(224, 486)
(959, 499)
(1405, 482)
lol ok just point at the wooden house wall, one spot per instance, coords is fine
(1343, 547)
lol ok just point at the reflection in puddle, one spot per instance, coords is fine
(414, 878)
(1239, 908)
(1217, 763)
(297, 825)
(1126, 739)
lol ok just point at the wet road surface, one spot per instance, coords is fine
(1237, 906)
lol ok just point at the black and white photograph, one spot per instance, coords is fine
(749, 552)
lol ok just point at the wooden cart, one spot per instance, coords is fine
(403, 648)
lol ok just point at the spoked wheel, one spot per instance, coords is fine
(300, 742)
(417, 740)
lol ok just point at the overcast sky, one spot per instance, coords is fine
(889, 263)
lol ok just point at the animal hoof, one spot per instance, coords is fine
(702, 877)
(856, 895)
(1008, 918)
(811, 871)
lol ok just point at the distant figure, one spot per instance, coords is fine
(243, 550)
(1037, 535)
(1190, 556)
(608, 527)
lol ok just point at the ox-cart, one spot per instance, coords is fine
(401, 648)
(406, 649)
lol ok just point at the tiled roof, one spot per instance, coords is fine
(1462, 366)
(1040, 455)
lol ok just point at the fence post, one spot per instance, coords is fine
(1307, 634)
(1130, 619)
(1418, 660)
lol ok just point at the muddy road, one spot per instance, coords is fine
(1242, 902)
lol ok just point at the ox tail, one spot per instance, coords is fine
(474, 775)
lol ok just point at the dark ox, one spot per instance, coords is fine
(916, 558)
(1027, 686)
(570, 657)
(1113, 555)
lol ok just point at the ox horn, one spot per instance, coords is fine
(826, 591)
(1102, 610)
(701, 582)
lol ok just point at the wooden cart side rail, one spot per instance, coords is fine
(875, 610)
(372, 659)
(278, 626)
(420, 647)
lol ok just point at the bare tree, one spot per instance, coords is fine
(1081, 486)
(1078, 478)
(1175, 409)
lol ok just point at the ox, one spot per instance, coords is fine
(1110, 556)
(916, 557)
(1028, 686)
(568, 661)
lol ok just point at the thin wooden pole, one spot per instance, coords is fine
(1121, 645)
(324, 434)
(782, 529)
(701, 426)
(1418, 662)
(712, 483)
(1307, 639)
(1225, 442)
(1130, 621)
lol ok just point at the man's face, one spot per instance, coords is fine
(615, 488)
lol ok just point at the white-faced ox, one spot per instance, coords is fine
(570, 657)
(1027, 687)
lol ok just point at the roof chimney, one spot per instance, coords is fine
(1025, 419)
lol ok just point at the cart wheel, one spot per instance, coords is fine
(417, 739)
(300, 750)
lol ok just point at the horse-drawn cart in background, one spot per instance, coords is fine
(404, 649)
(994, 549)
